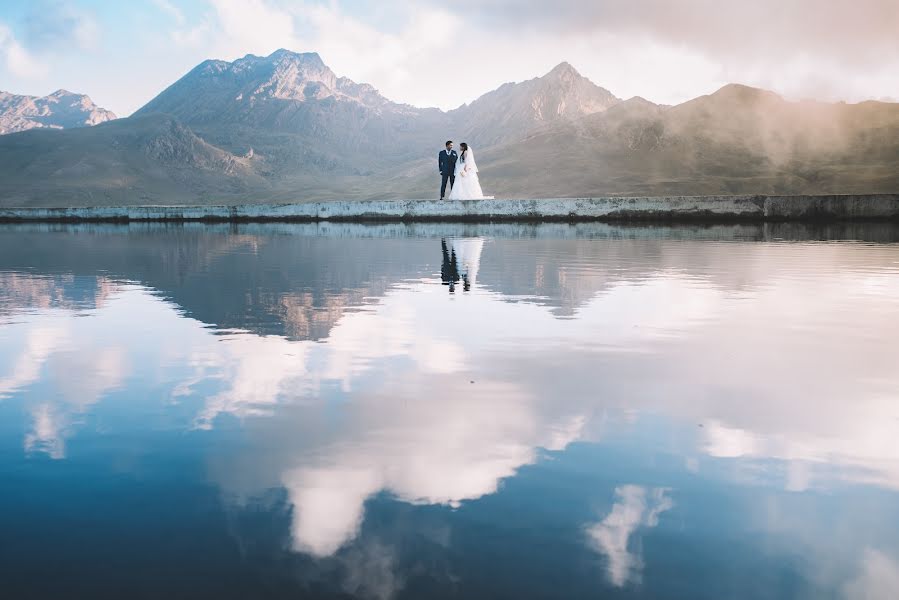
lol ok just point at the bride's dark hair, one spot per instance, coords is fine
(464, 147)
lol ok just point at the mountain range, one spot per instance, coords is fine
(59, 110)
(285, 127)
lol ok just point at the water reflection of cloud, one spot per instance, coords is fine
(370, 571)
(40, 342)
(452, 444)
(46, 432)
(731, 351)
(64, 351)
(688, 357)
(878, 578)
(636, 507)
(100, 371)
(256, 372)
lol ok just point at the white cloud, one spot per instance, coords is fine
(415, 63)
(443, 56)
(426, 55)
(853, 31)
(251, 26)
(19, 61)
(171, 10)
(58, 26)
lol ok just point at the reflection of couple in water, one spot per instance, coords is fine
(449, 270)
(461, 259)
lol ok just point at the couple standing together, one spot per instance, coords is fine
(461, 172)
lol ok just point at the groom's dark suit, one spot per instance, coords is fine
(446, 162)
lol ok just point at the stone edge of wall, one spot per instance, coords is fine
(873, 207)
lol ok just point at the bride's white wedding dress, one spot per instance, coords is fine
(467, 186)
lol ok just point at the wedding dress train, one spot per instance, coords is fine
(467, 185)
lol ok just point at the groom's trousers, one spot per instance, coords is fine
(452, 182)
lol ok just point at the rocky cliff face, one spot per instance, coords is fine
(59, 110)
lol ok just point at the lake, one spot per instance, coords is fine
(449, 411)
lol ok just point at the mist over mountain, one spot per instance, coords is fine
(59, 110)
(738, 140)
(286, 128)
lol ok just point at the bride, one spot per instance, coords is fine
(467, 186)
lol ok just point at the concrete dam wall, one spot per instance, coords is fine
(867, 207)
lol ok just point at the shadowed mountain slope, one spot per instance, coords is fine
(127, 161)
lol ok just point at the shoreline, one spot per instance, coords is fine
(741, 208)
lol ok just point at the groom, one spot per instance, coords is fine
(446, 162)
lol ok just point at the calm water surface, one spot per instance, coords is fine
(439, 411)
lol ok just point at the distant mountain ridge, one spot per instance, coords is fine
(285, 127)
(516, 108)
(59, 110)
(238, 85)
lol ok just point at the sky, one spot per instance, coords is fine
(445, 54)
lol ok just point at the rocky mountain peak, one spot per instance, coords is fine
(218, 88)
(564, 71)
(296, 77)
(514, 108)
(736, 92)
(565, 92)
(60, 110)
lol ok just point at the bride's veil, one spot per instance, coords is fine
(469, 158)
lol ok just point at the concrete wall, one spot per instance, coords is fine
(874, 207)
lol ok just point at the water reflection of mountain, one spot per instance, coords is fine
(292, 285)
(298, 280)
(27, 291)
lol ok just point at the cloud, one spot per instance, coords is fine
(228, 30)
(444, 56)
(19, 61)
(55, 25)
(855, 32)
(423, 43)
(255, 24)
(426, 55)
(676, 51)
(637, 507)
(666, 52)
(171, 10)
